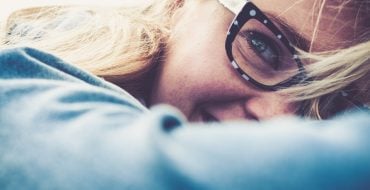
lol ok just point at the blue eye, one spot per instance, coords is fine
(264, 47)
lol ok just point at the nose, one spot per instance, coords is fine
(228, 110)
(261, 107)
(268, 105)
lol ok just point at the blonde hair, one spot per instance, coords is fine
(119, 44)
(124, 45)
(340, 78)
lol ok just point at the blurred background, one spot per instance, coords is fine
(8, 6)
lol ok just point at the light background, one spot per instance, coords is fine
(7, 6)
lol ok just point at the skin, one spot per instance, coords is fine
(197, 78)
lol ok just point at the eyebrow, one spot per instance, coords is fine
(290, 32)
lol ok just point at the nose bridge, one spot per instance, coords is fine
(267, 105)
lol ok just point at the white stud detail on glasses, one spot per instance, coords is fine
(233, 5)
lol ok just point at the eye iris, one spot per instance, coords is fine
(264, 49)
(259, 45)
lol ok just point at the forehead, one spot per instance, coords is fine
(325, 26)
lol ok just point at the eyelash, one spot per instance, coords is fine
(266, 37)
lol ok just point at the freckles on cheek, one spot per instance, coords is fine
(194, 85)
(176, 85)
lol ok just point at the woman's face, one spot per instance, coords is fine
(197, 76)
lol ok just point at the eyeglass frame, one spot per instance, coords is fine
(251, 11)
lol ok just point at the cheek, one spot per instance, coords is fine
(191, 69)
(195, 60)
(270, 104)
(194, 69)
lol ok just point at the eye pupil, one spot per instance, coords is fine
(259, 45)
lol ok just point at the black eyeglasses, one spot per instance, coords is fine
(260, 52)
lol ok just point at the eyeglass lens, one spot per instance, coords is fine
(261, 54)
